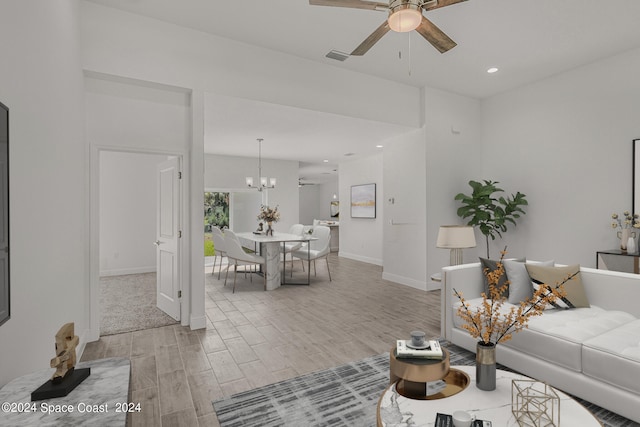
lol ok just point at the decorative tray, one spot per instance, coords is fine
(456, 382)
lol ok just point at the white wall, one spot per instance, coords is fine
(128, 212)
(405, 210)
(361, 238)
(326, 192)
(41, 83)
(315, 201)
(152, 50)
(227, 173)
(135, 115)
(309, 203)
(423, 171)
(568, 144)
(454, 156)
(245, 206)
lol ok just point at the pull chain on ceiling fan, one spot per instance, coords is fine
(404, 16)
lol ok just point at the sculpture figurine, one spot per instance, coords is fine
(65, 360)
(66, 377)
(260, 227)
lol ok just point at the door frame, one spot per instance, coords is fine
(93, 296)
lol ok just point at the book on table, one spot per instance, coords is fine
(446, 420)
(433, 351)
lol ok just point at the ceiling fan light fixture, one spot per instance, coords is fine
(405, 17)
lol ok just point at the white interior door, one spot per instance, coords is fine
(168, 238)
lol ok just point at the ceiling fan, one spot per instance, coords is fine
(300, 183)
(404, 16)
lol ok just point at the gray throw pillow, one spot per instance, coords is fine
(492, 265)
(520, 287)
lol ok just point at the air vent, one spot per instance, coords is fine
(337, 55)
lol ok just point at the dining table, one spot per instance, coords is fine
(269, 248)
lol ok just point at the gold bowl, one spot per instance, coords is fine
(456, 382)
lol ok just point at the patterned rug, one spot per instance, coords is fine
(343, 396)
(128, 303)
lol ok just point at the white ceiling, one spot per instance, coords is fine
(289, 133)
(527, 40)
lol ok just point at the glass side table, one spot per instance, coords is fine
(617, 260)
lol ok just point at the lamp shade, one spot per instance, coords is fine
(456, 237)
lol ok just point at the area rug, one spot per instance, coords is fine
(343, 396)
(128, 303)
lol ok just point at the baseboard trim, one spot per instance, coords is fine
(83, 339)
(361, 258)
(199, 322)
(407, 281)
(124, 271)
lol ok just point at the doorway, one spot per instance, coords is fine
(125, 207)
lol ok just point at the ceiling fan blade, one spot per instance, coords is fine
(354, 4)
(435, 36)
(441, 3)
(371, 40)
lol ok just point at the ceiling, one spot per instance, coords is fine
(527, 40)
(289, 133)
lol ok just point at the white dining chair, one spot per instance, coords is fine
(237, 256)
(219, 247)
(289, 247)
(317, 248)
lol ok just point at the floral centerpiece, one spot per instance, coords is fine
(625, 234)
(630, 221)
(492, 324)
(270, 215)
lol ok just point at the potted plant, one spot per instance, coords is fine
(489, 212)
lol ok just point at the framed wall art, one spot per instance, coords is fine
(363, 201)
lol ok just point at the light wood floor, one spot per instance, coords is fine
(254, 338)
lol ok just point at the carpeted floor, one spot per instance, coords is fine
(343, 396)
(128, 303)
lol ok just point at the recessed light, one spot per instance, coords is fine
(379, 146)
(492, 70)
(325, 161)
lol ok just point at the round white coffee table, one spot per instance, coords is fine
(495, 406)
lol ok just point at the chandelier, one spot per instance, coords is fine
(264, 181)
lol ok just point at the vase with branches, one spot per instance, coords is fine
(491, 323)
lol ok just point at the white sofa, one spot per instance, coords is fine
(592, 353)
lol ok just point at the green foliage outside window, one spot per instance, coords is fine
(216, 210)
(208, 246)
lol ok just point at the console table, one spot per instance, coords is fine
(616, 260)
(102, 399)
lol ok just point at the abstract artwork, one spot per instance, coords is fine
(363, 201)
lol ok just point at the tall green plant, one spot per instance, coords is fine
(489, 212)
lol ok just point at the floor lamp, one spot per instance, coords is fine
(456, 238)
